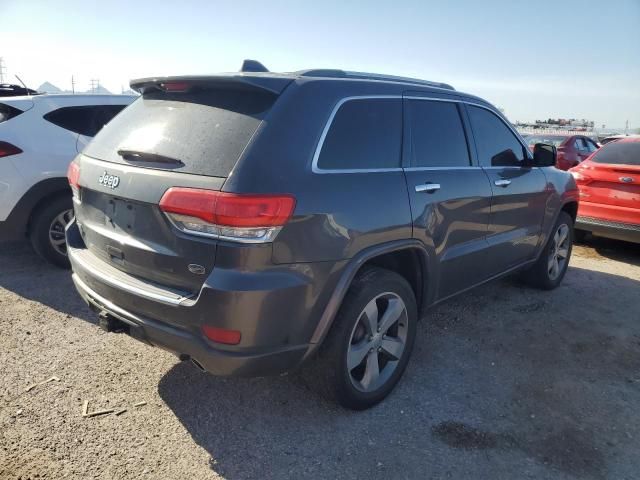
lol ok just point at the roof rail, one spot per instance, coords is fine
(370, 76)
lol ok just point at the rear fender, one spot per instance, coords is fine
(351, 270)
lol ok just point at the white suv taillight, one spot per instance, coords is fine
(246, 218)
(73, 175)
(7, 149)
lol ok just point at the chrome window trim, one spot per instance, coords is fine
(342, 101)
(512, 167)
(420, 169)
(432, 99)
(327, 126)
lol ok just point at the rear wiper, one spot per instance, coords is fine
(134, 156)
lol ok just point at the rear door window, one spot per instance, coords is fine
(365, 134)
(202, 132)
(86, 120)
(497, 145)
(437, 137)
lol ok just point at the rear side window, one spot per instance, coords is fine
(86, 120)
(205, 131)
(496, 143)
(7, 112)
(364, 134)
(618, 153)
(437, 136)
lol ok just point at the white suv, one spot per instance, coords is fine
(39, 136)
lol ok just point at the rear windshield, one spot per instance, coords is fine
(619, 153)
(202, 132)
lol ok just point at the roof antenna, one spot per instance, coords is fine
(24, 85)
(253, 66)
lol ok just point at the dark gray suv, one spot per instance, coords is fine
(254, 222)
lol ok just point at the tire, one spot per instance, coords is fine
(351, 335)
(543, 274)
(47, 229)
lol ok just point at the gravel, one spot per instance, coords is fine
(505, 382)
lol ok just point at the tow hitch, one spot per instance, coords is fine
(111, 324)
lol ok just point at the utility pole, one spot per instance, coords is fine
(73, 85)
(3, 70)
(626, 128)
(95, 83)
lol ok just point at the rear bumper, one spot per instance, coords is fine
(276, 310)
(605, 228)
(180, 342)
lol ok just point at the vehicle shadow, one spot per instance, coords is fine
(27, 275)
(505, 382)
(613, 249)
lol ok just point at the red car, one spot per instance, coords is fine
(609, 184)
(572, 149)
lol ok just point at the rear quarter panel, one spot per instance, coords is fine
(336, 214)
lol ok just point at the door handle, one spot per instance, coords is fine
(427, 187)
(502, 183)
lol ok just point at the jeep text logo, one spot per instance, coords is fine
(111, 181)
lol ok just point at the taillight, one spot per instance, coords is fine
(221, 335)
(237, 217)
(176, 86)
(73, 175)
(7, 149)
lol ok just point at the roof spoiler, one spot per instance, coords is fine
(273, 83)
(253, 82)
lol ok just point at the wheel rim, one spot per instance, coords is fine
(56, 231)
(559, 254)
(377, 342)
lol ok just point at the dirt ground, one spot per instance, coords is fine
(505, 382)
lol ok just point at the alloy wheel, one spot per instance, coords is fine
(377, 342)
(56, 231)
(559, 252)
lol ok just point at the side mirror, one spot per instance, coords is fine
(544, 155)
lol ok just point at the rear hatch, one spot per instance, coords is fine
(612, 175)
(182, 132)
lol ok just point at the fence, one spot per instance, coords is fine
(554, 131)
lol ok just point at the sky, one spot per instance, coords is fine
(534, 59)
